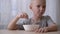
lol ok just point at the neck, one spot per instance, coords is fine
(37, 17)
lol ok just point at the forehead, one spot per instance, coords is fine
(38, 2)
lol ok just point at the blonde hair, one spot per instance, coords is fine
(42, 1)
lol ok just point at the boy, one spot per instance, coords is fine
(38, 9)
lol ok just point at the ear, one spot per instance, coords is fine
(30, 7)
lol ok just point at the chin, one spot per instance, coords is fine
(39, 15)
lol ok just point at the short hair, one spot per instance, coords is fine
(43, 1)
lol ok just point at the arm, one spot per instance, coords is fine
(47, 29)
(12, 25)
(52, 27)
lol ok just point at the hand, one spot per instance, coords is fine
(42, 30)
(22, 15)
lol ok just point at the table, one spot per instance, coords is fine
(24, 32)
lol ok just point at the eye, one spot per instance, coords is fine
(44, 6)
(38, 6)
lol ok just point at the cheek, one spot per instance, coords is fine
(42, 12)
(35, 9)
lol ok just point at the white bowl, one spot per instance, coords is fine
(30, 27)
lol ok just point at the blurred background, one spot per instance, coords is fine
(10, 8)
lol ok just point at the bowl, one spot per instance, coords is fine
(30, 27)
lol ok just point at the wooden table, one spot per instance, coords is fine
(24, 32)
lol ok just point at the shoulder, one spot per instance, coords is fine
(47, 17)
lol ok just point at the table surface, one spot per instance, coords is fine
(24, 32)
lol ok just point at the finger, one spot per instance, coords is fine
(22, 15)
(25, 15)
(45, 30)
(40, 30)
(36, 30)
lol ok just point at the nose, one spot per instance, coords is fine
(41, 8)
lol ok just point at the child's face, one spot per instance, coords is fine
(38, 8)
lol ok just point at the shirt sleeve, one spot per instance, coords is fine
(21, 23)
(50, 21)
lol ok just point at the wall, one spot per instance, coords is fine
(5, 9)
(54, 11)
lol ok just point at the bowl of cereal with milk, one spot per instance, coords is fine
(30, 27)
